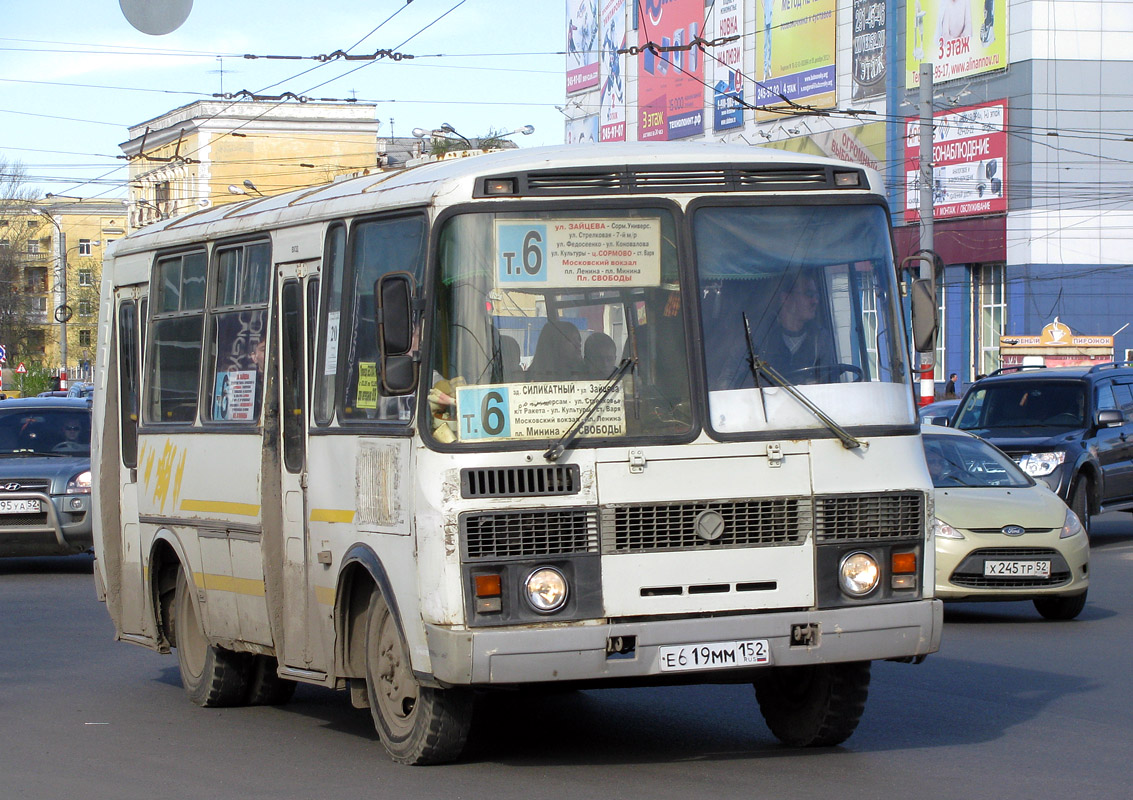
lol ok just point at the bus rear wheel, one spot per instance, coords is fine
(266, 688)
(816, 705)
(417, 724)
(212, 676)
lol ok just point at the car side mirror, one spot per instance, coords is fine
(393, 294)
(1110, 418)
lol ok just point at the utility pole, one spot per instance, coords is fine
(928, 385)
(61, 311)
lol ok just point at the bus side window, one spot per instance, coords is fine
(325, 362)
(378, 247)
(128, 380)
(236, 373)
(174, 361)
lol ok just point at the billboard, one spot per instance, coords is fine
(612, 90)
(869, 48)
(969, 159)
(960, 38)
(670, 84)
(728, 67)
(795, 54)
(581, 45)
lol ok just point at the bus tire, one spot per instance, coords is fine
(266, 688)
(816, 705)
(212, 676)
(416, 724)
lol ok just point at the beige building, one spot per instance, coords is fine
(213, 152)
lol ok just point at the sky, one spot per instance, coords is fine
(75, 75)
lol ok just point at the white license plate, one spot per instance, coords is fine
(1017, 569)
(715, 655)
(19, 507)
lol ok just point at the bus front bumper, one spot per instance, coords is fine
(582, 652)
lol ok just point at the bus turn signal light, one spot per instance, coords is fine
(904, 563)
(488, 591)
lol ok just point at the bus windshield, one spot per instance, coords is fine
(804, 294)
(536, 312)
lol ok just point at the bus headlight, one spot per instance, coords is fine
(546, 590)
(859, 574)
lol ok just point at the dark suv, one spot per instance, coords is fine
(1070, 427)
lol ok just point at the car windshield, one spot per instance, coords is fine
(1015, 404)
(955, 461)
(47, 431)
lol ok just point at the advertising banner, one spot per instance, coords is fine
(727, 67)
(969, 158)
(795, 54)
(581, 45)
(869, 48)
(670, 85)
(960, 38)
(612, 96)
(583, 130)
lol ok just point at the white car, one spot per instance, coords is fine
(999, 534)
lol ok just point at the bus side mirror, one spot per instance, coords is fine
(394, 295)
(925, 323)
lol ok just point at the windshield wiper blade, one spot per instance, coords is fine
(558, 447)
(760, 366)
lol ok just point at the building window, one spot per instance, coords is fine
(84, 247)
(86, 307)
(941, 308)
(33, 247)
(5, 244)
(86, 277)
(37, 279)
(991, 305)
(84, 337)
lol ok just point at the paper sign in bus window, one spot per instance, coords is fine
(536, 410)
(234, 397)
(578, 253)
(367, 395)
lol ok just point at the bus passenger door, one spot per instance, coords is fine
(130, 321)
(302, 644)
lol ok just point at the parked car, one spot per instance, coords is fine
(45, 476)
(80, 389)
(1000, 535)
(1071, 427)
(938, 413)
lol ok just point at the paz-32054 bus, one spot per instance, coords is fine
(626, 414)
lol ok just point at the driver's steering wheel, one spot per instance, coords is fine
(826, 373)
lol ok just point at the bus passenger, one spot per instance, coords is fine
(599, 354)
(558, 353)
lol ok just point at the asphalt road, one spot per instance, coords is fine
(1012, 707)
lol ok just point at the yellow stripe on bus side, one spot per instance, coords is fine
(324, 595)
(221, 507)
(226, 583)
(332, 515)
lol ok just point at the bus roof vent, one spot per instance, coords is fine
(566, 182)
(658, 180)
(763, 179)
(534, 481)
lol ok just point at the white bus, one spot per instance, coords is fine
(632, 414)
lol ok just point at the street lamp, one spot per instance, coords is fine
(61, 314)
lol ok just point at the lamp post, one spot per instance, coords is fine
(61, 310)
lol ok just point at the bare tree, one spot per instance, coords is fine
(24, 262)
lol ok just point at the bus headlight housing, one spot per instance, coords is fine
(858, 574)
(546, 590)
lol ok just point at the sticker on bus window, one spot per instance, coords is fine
(367, 394)
(330, 365)
(578, 253)
(536, 410)
(234, 395)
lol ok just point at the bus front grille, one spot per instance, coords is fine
(702, 526)
(521, 534)
(533, 481)
(839, 518)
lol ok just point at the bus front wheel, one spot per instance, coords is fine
(417, 724)
(816, 705)
(212, 676)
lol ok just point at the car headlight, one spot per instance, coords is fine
(546, 590)
(944, 530)
(1039, 464)
(859, 574)
(1072, 526)
(80, 484)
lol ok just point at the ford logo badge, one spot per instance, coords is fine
(1013, 530)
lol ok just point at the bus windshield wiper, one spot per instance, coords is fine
(559, 446)
(759, 367)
